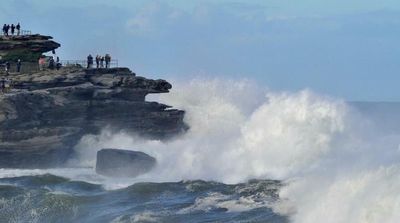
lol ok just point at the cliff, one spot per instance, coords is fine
(46, 113)
(26, 47)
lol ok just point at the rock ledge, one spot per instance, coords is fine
(46, 113)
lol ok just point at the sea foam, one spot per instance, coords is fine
(335, 165)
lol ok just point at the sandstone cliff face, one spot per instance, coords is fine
(47, 112)
(26, 48)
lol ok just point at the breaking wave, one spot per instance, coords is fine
(336, 161)
(337, 165)
(282, 135)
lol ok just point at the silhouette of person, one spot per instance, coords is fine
(4, 29)
(51, 63)
(89, 61)
(7, 67)
(102, 62)
(58, 64)
(12, 29)
(18, 27)
(97, 61)
(19, 65)
(7, 28)
(108, 60)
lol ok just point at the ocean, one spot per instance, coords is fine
(250, 155)
(50, 198)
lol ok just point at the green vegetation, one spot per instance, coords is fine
(24, 55)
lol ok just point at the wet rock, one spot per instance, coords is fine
(123, 163)
(75, 103)
(47, 112)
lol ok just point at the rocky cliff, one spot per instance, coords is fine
(46, 113)
(26, 47)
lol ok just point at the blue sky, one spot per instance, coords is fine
(347, 49)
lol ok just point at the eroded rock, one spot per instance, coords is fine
(26, 47)
(48, 112)
(123, 163)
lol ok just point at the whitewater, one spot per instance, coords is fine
(250, 155)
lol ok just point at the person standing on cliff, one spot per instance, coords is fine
(51, 63)
(108, 60)
(54, 56)
(102, 62)
(97, 61)
(7, 85)
(12, 29)
(58, 64)
(7, 67)
(41, 63)
(89, 61)
(4, 29)
(18, 27)
(19, 65)
(7, 28)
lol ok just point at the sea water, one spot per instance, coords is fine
(250, 155)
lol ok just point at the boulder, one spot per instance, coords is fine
(123, 163)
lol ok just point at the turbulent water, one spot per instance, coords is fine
(49, 198)
(251, 155)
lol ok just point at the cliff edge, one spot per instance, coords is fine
(28, 48)
(46, 113)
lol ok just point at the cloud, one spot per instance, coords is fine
(152, 18)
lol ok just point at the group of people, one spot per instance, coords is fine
(99, 61)
(5, 82)
(7, 28)
(7, 66)
(51, 63)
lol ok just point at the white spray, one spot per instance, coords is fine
(335, 168)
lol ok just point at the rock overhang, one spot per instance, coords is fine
(26, 47)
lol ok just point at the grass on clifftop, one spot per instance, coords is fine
(24, 55)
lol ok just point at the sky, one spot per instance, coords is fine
(345, 49)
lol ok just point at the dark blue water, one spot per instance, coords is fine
(49, 198)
